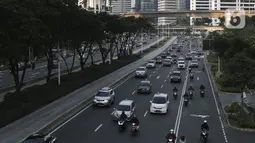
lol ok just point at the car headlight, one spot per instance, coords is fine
(95, 100)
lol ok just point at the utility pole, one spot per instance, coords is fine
(58, 64)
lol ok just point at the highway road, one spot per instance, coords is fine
(6, 79)
(94, 125)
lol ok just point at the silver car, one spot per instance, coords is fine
(141, 72)
(104, 97)
(128, 106)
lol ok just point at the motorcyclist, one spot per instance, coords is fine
(190, 70)
(135, 120)
(123, 116)
(191, 88)
(186, 95)
(191, 75)
(202, 87)
(205, 126)
(175, 89)
(171, 134)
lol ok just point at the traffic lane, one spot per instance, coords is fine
(97, 116)
(200, 109)
(153, 128)
(235, 136)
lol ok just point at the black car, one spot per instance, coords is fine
(39, 138)
(173, 55)
(158, 60)
(188, 57)
(163, 55)
(179, 50)
(144, 87)
(176, 76)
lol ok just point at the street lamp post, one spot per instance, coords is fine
(58, 64)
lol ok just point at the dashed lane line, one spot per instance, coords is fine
(164, 80)
(98, 127)
(133, 92)
(145, 113)
(158, 77)
(197, 78)
(162, 86)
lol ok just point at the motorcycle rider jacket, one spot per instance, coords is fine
(202, 87)
(175, 89)
(135, 120)
(205, 126)
(123, 116)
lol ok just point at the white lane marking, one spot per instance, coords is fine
(162, 86)
(197, 78)
(35, 73)
(70, 119)
(179, 114)
(133, 92)
(217, 107)
(154, 72)
(169, 72)
(164, 80)
(168, 76)
(158, 77)
(98, 127)
(112, 112)
(145, 113)
(150, 76)
(199, 116)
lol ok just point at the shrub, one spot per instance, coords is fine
(233, 108)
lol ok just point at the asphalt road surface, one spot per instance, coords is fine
(6, 78)
(94, 125)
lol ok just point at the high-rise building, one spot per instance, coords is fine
(119, 6)
(149, 5)
(167, 5)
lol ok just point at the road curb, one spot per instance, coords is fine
(83, 104)
(222, 108)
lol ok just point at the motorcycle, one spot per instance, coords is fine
(202, 93)
(175, 95)
(121, 124)
(190, 94)
(134, 128)
(186, 101)
(182, 141)
(204, 135)
(170, 139)
(191, 77)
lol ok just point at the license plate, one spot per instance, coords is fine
(157, 111)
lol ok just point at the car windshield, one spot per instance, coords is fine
(144, 84)
(175, 74)
(180, 62)
(34, 141)
(167, 60)
(159, 100)
(123, 108)
(150, 61)
(140, 69)
(194, 60)
(103, 94)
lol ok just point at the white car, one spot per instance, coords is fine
(141, 72)
(128, 106)
(151, 64)
(159, 103)
(181, 64)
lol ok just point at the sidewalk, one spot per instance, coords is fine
(34, 122)
(43, 81)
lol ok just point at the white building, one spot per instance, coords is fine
(119, 6)
(167, 5)
(221, 5)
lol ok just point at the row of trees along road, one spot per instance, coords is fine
(236, 49)
(43, 25)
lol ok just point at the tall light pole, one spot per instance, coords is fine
(58, 64)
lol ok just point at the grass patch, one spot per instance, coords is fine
(211, 58)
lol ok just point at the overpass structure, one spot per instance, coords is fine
(208, 28)
(184, 13)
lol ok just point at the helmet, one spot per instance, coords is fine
(172, 131)
(205, 121)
